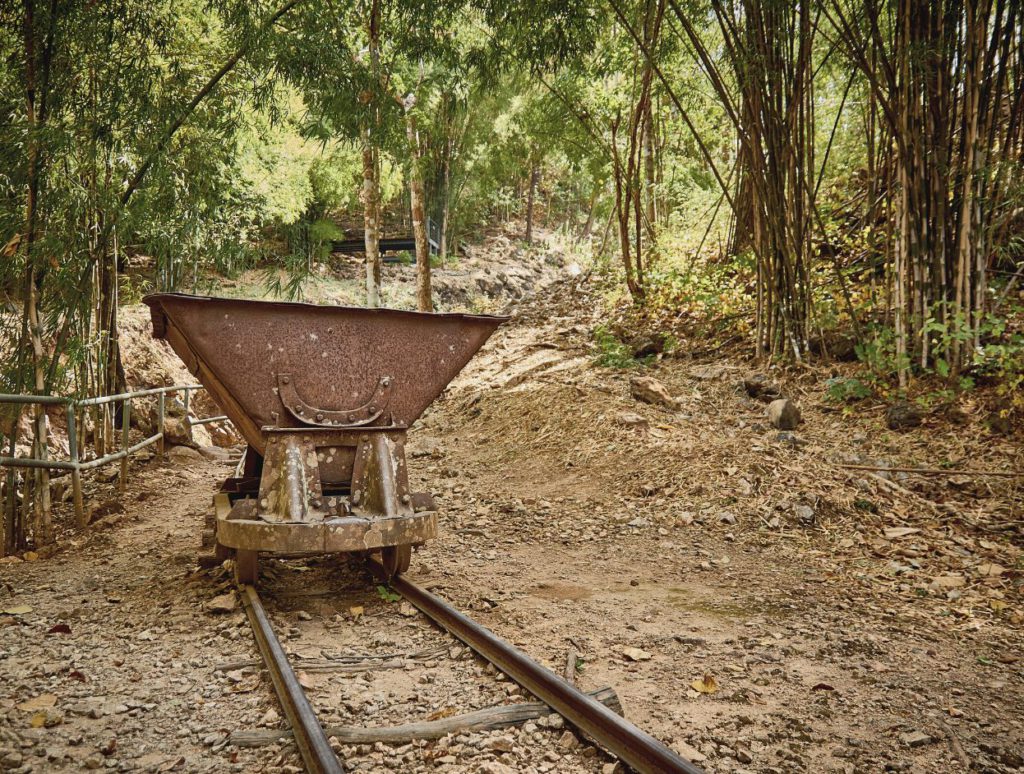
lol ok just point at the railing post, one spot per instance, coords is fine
(76, 473)
(126, 419)
(188, 422)
(10, 507)
(161, 409)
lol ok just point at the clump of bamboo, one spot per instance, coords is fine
(946, 86)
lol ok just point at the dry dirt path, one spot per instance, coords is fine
(755, 605)
(739, 591)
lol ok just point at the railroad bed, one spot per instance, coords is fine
(381, 673)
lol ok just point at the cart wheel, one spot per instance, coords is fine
(247, 566)
(396, 559)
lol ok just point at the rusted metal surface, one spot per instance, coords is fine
(323, 395)
(294, 510)
(345, 533)
(310, 738)
(365, 414)
(641, 751)
(336, 357)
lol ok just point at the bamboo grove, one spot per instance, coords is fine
(841, 168)
(937, 89)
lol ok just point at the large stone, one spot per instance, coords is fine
(784, 414)
(177, 432)
(760, 387)
(215, 453)
(650, 390)
(903, 416)
(631, 419)
(184, 455)
(223, 434)
(225, 603)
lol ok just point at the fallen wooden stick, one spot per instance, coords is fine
(499, 716)
(935, 471)
(343, 663)
(320, 665)
(570, 666)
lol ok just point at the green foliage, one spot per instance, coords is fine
(131, 288)
(840, 390)
(614, 353)
(878, 353)
(386, 594)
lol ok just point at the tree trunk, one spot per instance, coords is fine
(650, 186)
(371, 173)
(42, 523)
(417, 208)
(371, 222)
(530, 199)
(446, 175)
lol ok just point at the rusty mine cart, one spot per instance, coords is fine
(324, 397)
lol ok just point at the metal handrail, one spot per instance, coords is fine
(75, 465)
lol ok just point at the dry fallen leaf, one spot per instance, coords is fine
(30, 556)
(355, 611)
(635, 654)
(949, 581)
(706, 684)
(997, 605)
(304, 680)
(16, 610)
(990, 570)
(445, 712)
(897, 532)
(40, 702)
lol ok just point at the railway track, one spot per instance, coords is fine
(612, 732)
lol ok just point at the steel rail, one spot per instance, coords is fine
(617, 735)
(309, 734)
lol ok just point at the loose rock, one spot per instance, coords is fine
(784, 414)
(629, 419)
(760, 387)
(184, 455)
(225, 603)
(215, 453)
(915, 739)
(649, 390)
(903, 416)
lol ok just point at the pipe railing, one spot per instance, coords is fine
(76, 465)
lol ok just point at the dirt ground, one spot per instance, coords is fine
(755, 605)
